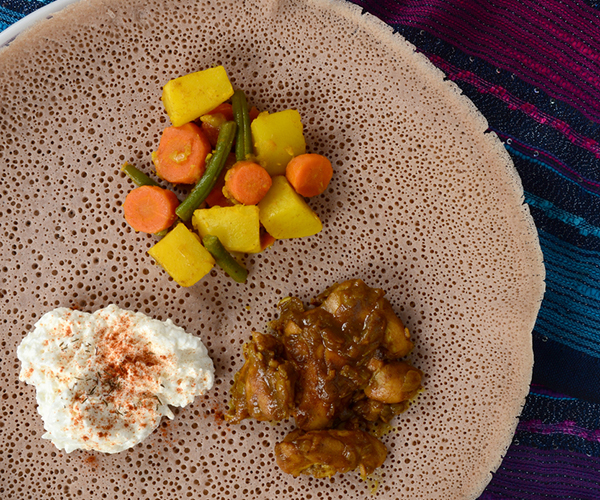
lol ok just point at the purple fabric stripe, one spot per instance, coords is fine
(530, 40)
(567, 427)
(516, 103)
(531, 473)
(485, 19)
(516, 49)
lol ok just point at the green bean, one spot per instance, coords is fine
(213, 168)
(224, 259)
(243, 142)
(138, 177)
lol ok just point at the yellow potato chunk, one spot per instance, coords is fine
(191, 96)
(285, 214)
(237, 227)
(182, 255)
(277, 139)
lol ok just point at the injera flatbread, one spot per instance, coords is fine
(423, 203)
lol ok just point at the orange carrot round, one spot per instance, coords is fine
(247, 182)
(266, 240)
(224, 109)
(216, 198)
(211, 122)
(309, 174)
(150, 209)
(254, 112)
(181, 154)
(211, 132)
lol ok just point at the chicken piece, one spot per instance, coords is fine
(356, 304)
(317, 395)
(375, 411)
(397, 337)
(328, 377)
(330, 366)
(326, 452)
(394, 382)
(336, 347)
(264, 388)
(357, 308)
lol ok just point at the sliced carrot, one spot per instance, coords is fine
(181, 154)
(247, 182)
(224, 109)
(216, 198)
(266, 240)
(254, 112)
(309, 174)
(211, 131)
(150, 209)
(211, 122)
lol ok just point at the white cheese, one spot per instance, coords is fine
(104, 380)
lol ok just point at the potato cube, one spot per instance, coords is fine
(195, 94)
(285, 214)
(237, 227)
(277, 139)
(182, 255)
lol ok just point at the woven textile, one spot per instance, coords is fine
(533, 70)
(13, 10)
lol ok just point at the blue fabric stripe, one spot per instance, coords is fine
(545, 184)
(573, 262)
(555, 398)
(574, 326)
(562, 326)
(555, 410)
(571, 289)
(570, 311)
(563, 231)
(559, 268)
(565, 369)
(556, 213)
(12, 11)
(571, 177)
(559, 294)
(8, 17)
(24, 6)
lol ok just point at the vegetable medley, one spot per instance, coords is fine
(249, 173)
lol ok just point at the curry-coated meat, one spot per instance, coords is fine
(264, 388)
(325, 452)
(330, 366)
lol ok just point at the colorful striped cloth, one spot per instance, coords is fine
(533, 69)
(13, 10)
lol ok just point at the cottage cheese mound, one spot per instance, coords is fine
(104, 380)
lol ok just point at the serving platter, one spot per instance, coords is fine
(424, 203)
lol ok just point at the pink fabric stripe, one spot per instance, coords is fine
(515, 103)
(528, 38)
(567, 427)
(532, 57)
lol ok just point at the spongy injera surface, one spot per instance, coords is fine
(423, 204)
